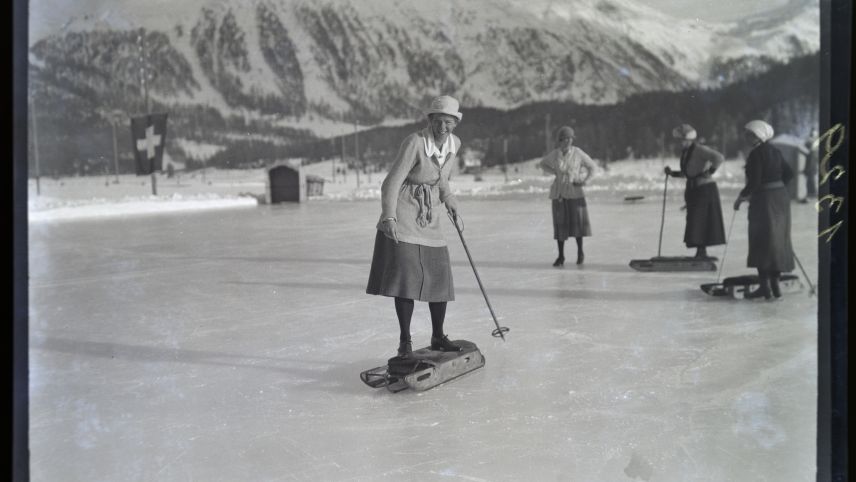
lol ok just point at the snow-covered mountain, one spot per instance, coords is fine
(298, 60)
(696, 48)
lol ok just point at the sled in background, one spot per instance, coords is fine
(738, 286)
(674, 263)
(671, 263)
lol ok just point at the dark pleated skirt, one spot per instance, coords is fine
(411, 271)
(570, 219)
(770, 246)
(704, 217)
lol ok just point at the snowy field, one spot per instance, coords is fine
(225, 344)
(99, 197)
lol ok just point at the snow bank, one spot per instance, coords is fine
(52, 209)
(97, 197)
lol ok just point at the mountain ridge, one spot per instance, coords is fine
(345, 60)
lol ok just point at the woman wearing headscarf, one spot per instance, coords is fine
(411, 259)
(572, 168)
(704, 212)
(767, 173)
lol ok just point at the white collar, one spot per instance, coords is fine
(570, 157)
(431, 148)
(569, 154)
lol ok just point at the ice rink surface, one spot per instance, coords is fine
(226, 346)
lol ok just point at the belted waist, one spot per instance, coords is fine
(699, 181)
(424, 197)
(772, 185)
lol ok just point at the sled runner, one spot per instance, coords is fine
(671, 263)
(425, 368)
(737, 286)
(674, 263)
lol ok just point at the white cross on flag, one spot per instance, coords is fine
(148, 133)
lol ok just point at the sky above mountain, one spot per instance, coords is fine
(49, 16)
(715, 10)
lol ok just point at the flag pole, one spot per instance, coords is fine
(145, 74)
(115, 151)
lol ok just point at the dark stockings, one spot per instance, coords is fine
(560, 261)
(404, 311)
(438, 315)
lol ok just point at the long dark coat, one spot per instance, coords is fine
(704, 210)
(767, 174)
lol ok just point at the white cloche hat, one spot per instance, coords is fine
(445, 105)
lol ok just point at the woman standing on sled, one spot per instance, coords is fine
(767, 173)
(572, 168)
(411, 259)
(704, 211)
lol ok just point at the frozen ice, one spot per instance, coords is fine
(226, 345)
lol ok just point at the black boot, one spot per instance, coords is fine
(443, 344)
(774, 286)
(580, 256)
(701, 252)
(560, 261)
(405, 348)
(763, 289)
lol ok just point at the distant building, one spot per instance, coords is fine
(285, 181)
(471, 161)
(169, 161)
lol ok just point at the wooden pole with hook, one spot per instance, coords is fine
(500, 331)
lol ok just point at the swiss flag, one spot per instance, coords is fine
(148, 133)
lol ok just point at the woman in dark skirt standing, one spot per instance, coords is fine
(411, 259)
(767, 173)
(704, 210)
(572, 168)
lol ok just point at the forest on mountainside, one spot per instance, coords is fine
(787, 96)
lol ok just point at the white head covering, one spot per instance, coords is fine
(762, 130)
(445, 105)
(685, 132)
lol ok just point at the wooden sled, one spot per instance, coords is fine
(674, 263)
(425, 368)
(738, 286)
